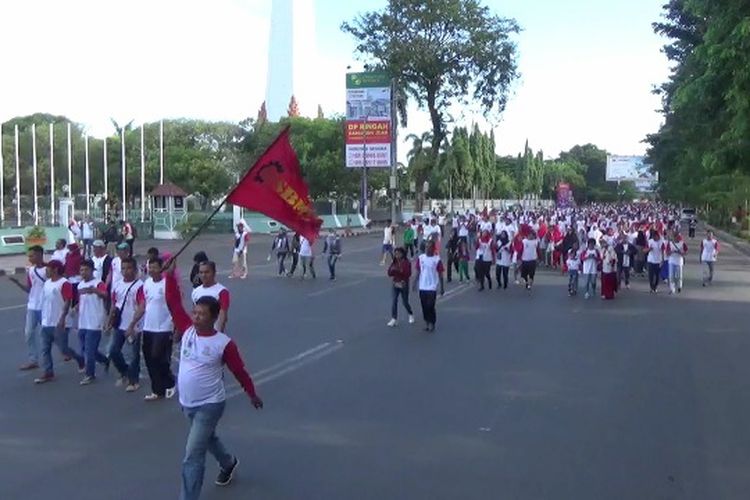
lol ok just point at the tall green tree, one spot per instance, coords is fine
(442, 53)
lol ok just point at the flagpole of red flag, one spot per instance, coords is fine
(224, 201)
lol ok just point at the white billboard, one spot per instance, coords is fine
(630, 168)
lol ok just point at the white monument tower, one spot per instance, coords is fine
(292, 58)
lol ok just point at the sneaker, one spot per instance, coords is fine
(28, 366)
(391, 323)
(518, 282)
(120, 381)
(87, 380)
(170, 392)
(81, 369)
(587, 295)
(47, 377)
(152, 397)
(132, 387)
(411, 319)
(225, 475)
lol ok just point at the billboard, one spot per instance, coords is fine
(368, 132)
(630, 168)
(564, 195)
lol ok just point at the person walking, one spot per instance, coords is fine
(400, 274)
(126, 326)
(463, 261)
(198, 259)
(57, 297)
(294, 245)
(451, 250)
(204, 352)
(88, 233)
(573, 265)
(504, 259)
(486, 255)
(676, 251)
(332, 247)
(428, 281)
(306, 256)
(609, 270)
(128, 235)
(529, 257)
(626, 253)
(654, 258)
(389, 241)
(709, 253)
(91, 317)
(590, 259)
(211, 288)
(280, 245)
(239, 254)
(36, 275)
(157, 332)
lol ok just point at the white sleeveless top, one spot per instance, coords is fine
(201, 376)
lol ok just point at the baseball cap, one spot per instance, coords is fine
(123, 246)
(98, 243)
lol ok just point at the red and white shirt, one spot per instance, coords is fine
(590, 258)
(709, 250)
(430, 268)
(203, 355)
(217, 291)
(153, 295)
(35, 278)
(54, 296)
(126, 301)
(91, 313)
(676, 251)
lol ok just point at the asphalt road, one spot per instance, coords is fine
(515, 396)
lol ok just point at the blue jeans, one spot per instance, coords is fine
(332, 264)
(591, 284)
(50, 335)
(31, 332)
(573, 281)
(89, 340)
(202, 438)
(132, 370)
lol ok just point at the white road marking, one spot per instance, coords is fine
(333, 288)
(8, 308)
(288, 365)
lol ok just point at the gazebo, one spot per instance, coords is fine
(169, 211)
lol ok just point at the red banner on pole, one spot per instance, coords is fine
(274, 187)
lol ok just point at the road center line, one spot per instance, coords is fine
(334, 288)
(8, 308)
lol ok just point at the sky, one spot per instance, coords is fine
(587, 66)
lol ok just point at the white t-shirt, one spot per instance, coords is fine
(387, 236)
(463, 230)
(609, 260)
(59, 255)
(429, 230)
(116, 270)
(677, 249)
(217, 291)
(305, 249)
(35, 278)
(484, 250)
(429, 272)
(91, 314)
(574, 264)
(485, 225)
(88, 230)
(530, 248)
(505, 255)
(200, 379)
(656, 253)
(709, 250)
(126, 302)
(55, 294)
(157, 317)
(590, 260)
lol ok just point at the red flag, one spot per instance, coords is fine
(274, 187)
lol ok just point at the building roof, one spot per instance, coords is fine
(168, 189)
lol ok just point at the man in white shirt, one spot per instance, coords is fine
(87, 232)
(211, 288)
(91, 318)
(61, 251)
(389, 241)
(429, 277)
(239, 255)
(115, 275)
(655, 259)
(122, 319)
(709, 252)
(36, 275)
(529, 257)
(157, 332)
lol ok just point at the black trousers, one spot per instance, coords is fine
(654, 275)
(501, 274)
(528, 270)
(428, 299)
(624, 274)
(404, 293)
(452, 264)
(483, 272)
(157, 352)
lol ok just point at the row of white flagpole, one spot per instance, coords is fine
(70, 172)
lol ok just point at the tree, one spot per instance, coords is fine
(441, 52)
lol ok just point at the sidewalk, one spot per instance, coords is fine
(16, 264)
(742, 246)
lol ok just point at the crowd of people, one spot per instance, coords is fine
(142, 307)
(599, 247)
